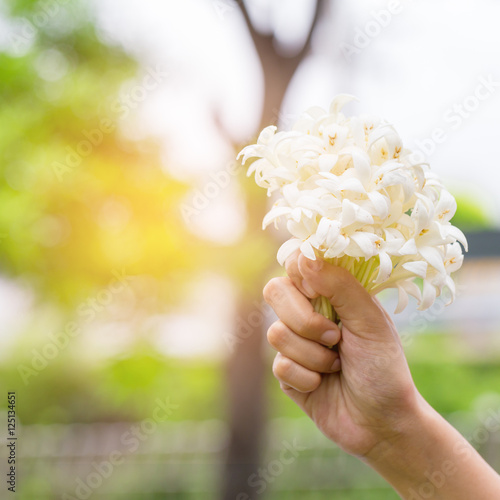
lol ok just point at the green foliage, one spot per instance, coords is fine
(454, 387)
(126, 388)
(78, 200)
(471, 215)
(355, 494)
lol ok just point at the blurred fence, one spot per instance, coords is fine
(475, 311)
(483, 244)
(183, 460)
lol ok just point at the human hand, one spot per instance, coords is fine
(363, 397)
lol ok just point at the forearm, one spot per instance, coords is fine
(432, 460)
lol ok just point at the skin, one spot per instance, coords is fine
(363, 397)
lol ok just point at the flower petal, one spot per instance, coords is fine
(307, 250)
(339, 102)
(326, 162)
(428, 296)
(285, 250)
(273, 214)
(433, 257)
(385, 268)
(402, 300)
(446, 207)
(419, 268)
(366, 242)
(409, 248)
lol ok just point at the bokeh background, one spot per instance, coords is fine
(132, 325)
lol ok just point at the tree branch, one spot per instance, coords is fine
(258, 38)
(253, 32)
(320, 7)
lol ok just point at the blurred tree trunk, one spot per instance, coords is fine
(246, 373)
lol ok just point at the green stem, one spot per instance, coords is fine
(323, 306)
(368, 272)
(361, 271)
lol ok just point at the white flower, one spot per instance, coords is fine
(351, 195)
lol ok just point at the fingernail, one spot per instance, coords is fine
(330, 337)
(336, 365)
(308, 289)
(314, 265)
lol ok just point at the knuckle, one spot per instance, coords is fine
(311, 324)
(325, 361)
(283, 368)
(273, 291)
(291, 264)
(315, 383)
(277, 335)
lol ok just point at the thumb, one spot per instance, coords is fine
(358, 310)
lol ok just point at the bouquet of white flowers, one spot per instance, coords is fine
(351, 195)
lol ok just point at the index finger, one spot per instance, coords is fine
(298, 314)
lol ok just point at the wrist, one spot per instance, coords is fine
(428, 458)
(398, 454)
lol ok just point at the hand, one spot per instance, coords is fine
(362, 397)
